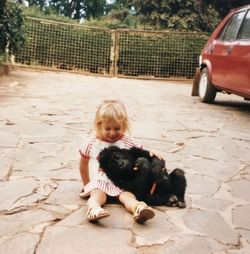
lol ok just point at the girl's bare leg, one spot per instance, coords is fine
(129, 200)
(97, 197)
(141, 211)
(95, 202)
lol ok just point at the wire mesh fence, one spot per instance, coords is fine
(120, 52)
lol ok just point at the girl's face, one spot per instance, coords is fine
(111, 131)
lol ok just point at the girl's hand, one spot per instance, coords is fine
(157, 154)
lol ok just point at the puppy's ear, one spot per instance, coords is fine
(113, 148)
(103, 155)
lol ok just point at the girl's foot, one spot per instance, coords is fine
(143, 213)
(96, 213)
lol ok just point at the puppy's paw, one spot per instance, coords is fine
(141, 164)
(173, 201)
(181, 204)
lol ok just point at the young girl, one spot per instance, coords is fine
(111, 126)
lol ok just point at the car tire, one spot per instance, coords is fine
(206, 90)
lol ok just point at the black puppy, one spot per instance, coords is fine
(136, 171)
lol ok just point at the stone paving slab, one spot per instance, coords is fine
(46, 116)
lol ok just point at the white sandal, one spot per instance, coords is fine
(143, 212)
(96, 213)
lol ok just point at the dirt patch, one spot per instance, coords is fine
(4, 69)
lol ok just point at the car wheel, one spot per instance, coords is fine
(207, 91)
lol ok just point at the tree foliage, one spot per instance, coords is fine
(76, 9)
(174, 14)
(195, 15)
(12, 34)
(223, 7)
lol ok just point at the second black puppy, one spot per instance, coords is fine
(136, 171)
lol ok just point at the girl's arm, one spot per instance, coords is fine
(84, 169)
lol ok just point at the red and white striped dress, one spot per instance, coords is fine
(98, 179)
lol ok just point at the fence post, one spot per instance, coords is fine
(114, 53)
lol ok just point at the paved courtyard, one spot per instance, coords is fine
(46, 116)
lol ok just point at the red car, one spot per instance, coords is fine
(224, 64)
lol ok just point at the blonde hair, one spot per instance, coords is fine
(111, 110)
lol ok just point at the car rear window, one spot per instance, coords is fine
(244, 32)
(229, 33)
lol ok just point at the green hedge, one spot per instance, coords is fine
(94, 50)
(164, 55)
(65, 47)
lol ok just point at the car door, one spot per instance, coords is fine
(237, 76)
(222, 48)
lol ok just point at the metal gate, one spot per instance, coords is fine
(122, 52)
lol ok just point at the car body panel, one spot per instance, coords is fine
(228, 58)
(239, 57)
